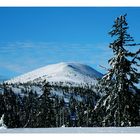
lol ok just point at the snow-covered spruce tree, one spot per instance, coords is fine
(11, 108)
(30, 107)
(2, 125)
(45, 115)
(118, 106)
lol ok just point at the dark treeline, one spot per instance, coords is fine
(49, 110)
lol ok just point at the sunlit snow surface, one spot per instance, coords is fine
(74, 130)
(61, 72)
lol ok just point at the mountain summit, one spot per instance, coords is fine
(60, 72)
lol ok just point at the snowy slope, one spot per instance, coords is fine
(74, 130)
(61, 72)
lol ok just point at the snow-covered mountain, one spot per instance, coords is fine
(61, 72)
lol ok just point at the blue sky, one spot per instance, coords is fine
(34, 37)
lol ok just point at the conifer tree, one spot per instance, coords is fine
(45, 116)
(30, 107)
(11, 108)
(118, 106)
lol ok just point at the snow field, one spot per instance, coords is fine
(74, 130)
